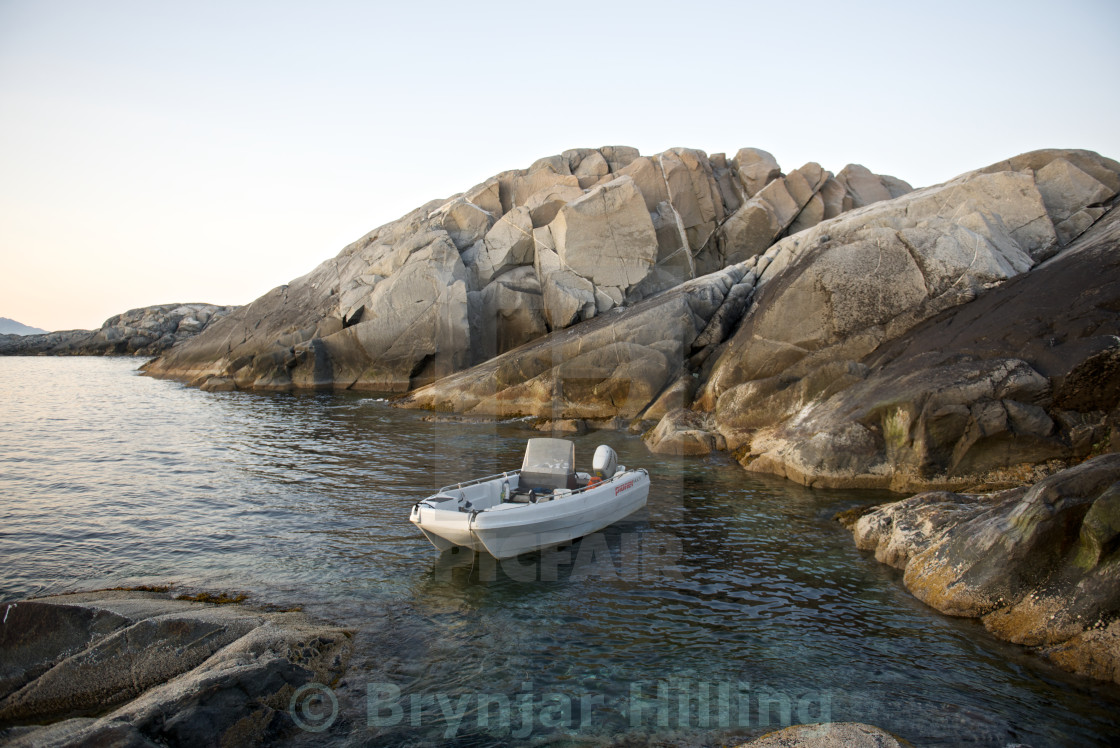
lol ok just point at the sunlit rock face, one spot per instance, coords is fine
(525, 253)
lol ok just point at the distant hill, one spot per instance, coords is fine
(147, 331)
(11, 327)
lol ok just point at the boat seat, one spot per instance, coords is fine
(522, 497)
(541, 482)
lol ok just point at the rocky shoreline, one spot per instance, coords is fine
(142, 668)
(841, 330)
(1039, 566)
(148, 331)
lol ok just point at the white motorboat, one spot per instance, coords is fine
(544, 504)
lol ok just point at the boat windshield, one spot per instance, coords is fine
(549, 456)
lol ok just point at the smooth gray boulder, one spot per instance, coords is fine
(508, 244)
(755, 168)
(862, 188)
(510, 312)
(694, 193)
(681, 432)
(568, 298)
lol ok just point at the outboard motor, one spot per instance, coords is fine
(605, 462)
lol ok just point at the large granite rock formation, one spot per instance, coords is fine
(840, 330)
(1039, 566)
(525, 253)
(860, 363)
(142, 669)
(138, 332)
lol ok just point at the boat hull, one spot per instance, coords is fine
(506, 530)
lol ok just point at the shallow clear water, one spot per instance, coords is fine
(731, 597)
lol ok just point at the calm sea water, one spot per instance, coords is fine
(731, 600)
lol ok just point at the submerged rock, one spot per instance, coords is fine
(142, 668)
(139, 332)
(1039, 566)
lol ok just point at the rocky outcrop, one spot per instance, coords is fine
(828, 735)
(141, 668)
(949, 337)
(1039, 566)
(139, 332)
(839, 330)
(860, 363)
(614, 366)
(523, 254)
(682, 432)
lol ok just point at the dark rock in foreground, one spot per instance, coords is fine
(142, 668)
(148, 331)
(1039, 566)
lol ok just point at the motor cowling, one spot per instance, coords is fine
(605, 462)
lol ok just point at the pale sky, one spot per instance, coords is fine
(158, 152)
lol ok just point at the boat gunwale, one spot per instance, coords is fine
(496, 520)
(476, 481)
